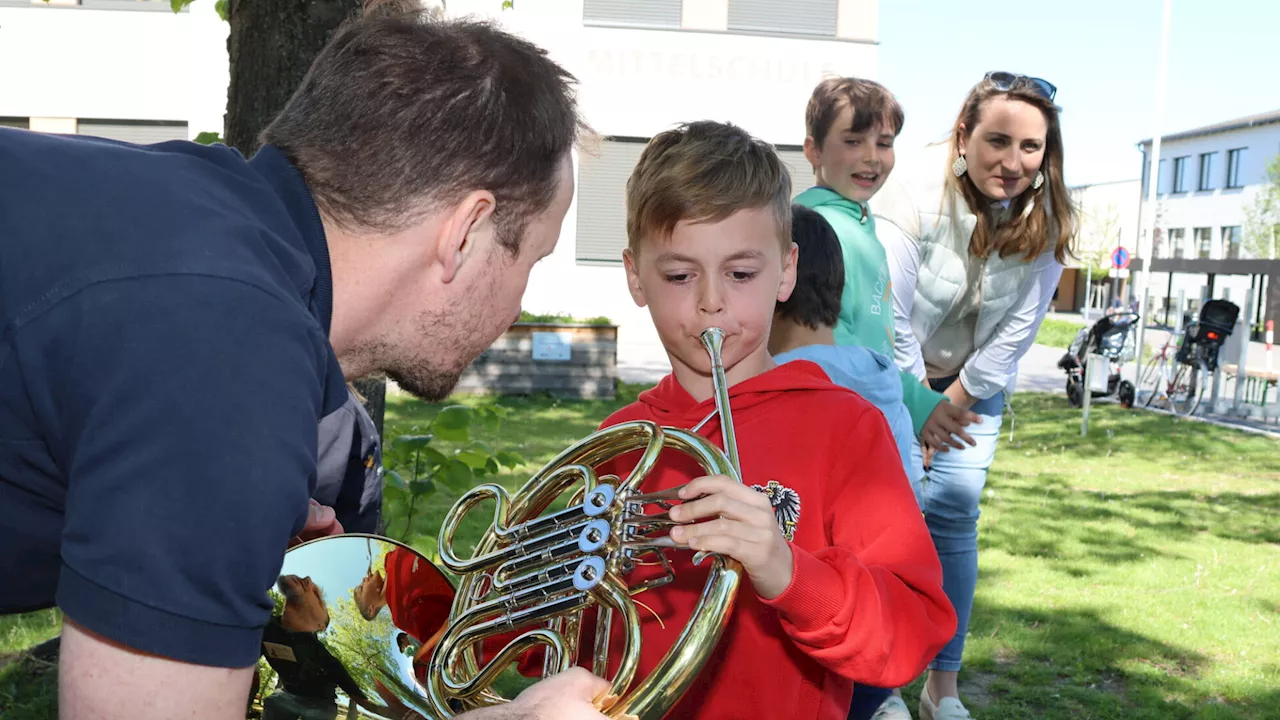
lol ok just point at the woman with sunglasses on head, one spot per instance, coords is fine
(975, 252)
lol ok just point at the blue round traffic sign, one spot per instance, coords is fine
(1120, 258)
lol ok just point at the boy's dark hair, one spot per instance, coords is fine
(401, 114)
(872, 103)
(704, 172)
(815, 301)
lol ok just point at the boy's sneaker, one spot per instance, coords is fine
(949, 709)
(892, 709)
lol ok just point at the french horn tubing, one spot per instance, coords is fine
(535, 569)
(533, 575)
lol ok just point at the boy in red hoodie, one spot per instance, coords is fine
(842, 581)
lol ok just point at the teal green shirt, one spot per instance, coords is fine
(866, 306)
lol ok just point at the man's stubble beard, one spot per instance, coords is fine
(431, 367)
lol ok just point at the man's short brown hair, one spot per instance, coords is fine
(872, 103)
(401, 115)
(704, 172)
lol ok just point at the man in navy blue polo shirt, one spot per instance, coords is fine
(175, 320)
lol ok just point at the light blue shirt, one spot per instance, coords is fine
(872, 376)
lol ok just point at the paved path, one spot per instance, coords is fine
(647, 363)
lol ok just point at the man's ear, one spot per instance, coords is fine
(467, 226)
(633, 277)
(788, 281)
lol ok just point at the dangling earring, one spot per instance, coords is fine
(1035, 184)
(960, 166)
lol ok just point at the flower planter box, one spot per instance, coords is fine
(563, 359)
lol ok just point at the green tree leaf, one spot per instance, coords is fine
(452, 423)
(395, 479)
(422, 487)
(510, 459)
(1262, 217)
(431, 457)
(458, 476)
(473, 459)
(415, 441)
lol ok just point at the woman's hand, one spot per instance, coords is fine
(959, 396)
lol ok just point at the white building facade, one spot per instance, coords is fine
(1108, 220)
(126, 69)
(1206, 179)
(134, 70)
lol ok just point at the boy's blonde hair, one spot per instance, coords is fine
(704, 172)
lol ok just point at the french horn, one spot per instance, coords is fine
(533, 574)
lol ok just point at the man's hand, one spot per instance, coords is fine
(321, 521)
(944, 425)
(569, 695)
(744, 529)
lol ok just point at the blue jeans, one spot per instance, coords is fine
(949, 495)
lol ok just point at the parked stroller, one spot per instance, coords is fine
(1114, 336)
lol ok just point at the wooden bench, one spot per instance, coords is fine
(1257, 383)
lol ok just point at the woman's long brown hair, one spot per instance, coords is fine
(1036, 213)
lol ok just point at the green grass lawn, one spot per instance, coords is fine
(1131, 574)
(1057, 333)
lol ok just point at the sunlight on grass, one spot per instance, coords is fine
(1057, 333)
(1131, 574)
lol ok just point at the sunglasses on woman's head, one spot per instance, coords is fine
(1006, 81)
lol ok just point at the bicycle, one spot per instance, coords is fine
(1179, 372)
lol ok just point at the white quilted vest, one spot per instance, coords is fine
(943, 238)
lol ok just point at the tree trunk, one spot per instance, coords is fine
(374, 391)
(270, 46)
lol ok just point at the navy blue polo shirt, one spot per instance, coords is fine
(164, 362)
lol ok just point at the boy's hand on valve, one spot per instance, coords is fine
(722, 516)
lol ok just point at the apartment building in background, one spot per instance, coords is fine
(124, 69)
(1206, 179)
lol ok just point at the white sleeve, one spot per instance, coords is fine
(903, 254)
(991, 368)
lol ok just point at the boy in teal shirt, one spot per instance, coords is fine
(850, 127)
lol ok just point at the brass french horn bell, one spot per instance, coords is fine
(535, 572)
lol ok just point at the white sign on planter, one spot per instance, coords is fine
(552, 346)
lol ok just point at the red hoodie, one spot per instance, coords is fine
(419, 599)
(865, 602)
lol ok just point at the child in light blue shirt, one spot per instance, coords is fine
(804, 329)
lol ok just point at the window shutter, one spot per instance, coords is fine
(801, 170)
(795, 17)
(133, 131)
(649, 13)
(602, 201)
